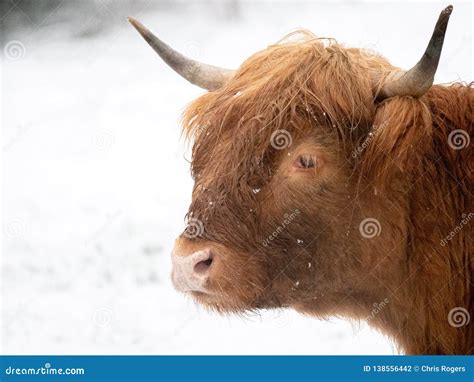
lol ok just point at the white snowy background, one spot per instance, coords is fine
(96, 179)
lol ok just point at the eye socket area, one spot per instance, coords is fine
(305, 162)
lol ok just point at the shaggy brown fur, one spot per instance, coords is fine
(387, 160)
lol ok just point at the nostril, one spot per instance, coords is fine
(191, 271)
(203, 266)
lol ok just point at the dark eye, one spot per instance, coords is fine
(305, 161)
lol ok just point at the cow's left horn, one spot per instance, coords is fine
(419, 79)
(205, 76)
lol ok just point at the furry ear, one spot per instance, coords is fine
(401, 136)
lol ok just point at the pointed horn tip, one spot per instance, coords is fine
(448, 10)
(142, 29)
(133, 21)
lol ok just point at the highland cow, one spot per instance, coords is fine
(331, 182)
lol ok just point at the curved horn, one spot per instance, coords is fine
(205, 76)
(418, 80)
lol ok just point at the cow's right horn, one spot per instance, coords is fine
(205, 76)
(419, 79)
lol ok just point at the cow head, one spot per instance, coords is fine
(278, 196)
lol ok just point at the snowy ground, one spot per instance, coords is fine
(96, 184)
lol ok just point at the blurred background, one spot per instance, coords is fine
(96, 176)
